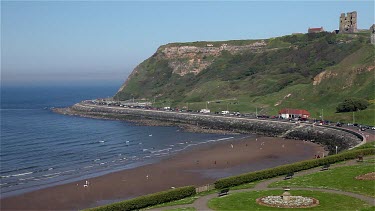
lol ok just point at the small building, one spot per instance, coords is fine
(287, 113)
(315, 30)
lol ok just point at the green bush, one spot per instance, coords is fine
(285, 169)
(352, 104)
(149, 200)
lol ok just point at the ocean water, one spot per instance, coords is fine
(40, 148)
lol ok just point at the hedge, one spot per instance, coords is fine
(149, 200)
(285, 169)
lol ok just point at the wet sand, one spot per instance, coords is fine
(196, 166)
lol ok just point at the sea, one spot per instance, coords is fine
(40, 148)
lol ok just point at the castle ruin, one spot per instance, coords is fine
(372, 31)
(348, 23)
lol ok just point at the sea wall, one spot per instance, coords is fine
(329, 137)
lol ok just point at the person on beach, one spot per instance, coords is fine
(86, 184)
(231, 146)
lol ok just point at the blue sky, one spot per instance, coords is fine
(91, 41)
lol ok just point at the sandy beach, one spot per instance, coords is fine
(195, 166)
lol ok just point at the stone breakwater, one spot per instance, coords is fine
(326, 136)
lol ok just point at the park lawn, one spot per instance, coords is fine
(247, 201)
(182, 209)
(191, 199)
(340, 178)
(187, 200)
(246, 185)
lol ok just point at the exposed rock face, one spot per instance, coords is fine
(192, 59)
(323, 75)
(194, 65)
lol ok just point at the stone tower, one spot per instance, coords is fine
(348, 23)
(372, 31)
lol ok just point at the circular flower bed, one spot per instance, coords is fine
(293, 202)
(368, 176)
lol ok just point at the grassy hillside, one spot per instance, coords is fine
(280, 76)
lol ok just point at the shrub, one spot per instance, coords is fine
(149, 200)
(352, 104)
(284, 169)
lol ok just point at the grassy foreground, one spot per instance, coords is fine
(246, 201)
(341, 178)
(183, 209)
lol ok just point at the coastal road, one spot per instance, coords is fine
(191, 114)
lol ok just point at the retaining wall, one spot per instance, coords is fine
(329, 137)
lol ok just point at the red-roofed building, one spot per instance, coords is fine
(315, 30)
(287, 113)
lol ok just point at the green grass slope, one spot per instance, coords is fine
(280, 76)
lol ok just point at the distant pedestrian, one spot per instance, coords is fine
(86, 184)
(147, 176)
(231, 146)
(215, 162)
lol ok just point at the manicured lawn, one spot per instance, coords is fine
(190, 200)
(183, 209)
(246, 185)
(341, 178)
(246, 201)
(187, 200)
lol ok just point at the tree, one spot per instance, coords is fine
(352, 104)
